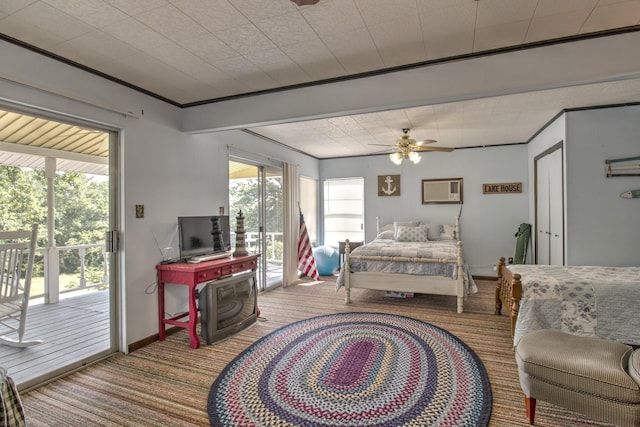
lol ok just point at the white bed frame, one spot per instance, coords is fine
(436, 285)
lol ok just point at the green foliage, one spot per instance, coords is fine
(23, 198)
(244, 194)
(81, 211)
(277, 248)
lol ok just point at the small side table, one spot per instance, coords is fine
(191, 275)
(341, 244)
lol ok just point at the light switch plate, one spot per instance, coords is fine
(139, 211)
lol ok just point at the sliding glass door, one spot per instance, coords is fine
(256, 189)
(71, 196)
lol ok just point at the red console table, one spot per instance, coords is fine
(191, 275)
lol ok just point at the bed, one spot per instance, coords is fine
(409, 256)
(597, 301)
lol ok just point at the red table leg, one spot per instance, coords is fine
(193, 318)
(161, 331)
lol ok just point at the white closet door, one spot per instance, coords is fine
(549, 209)
(556, 226)
(542, 211)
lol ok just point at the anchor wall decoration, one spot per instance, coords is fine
(388, 185)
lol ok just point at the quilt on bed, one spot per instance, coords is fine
(441, 249)
(581, 300)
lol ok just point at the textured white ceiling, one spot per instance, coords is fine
(190, 51)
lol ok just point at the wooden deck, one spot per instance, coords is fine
(75, 328)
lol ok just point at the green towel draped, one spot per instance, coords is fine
(522, 243)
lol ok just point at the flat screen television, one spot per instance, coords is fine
(227, 306)
(203, 235)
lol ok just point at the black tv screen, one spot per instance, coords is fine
(203, 235)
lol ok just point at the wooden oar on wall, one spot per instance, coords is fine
(610, 168)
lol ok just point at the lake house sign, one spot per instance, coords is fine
(501, 188)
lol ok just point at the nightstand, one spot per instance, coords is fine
(341, 244)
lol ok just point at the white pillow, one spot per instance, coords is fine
(387, 234)
(386, 227)
(448, 232)
(412, 234)
(435, 230)
(396, 224)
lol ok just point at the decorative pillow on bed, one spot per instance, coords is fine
(418, 233)
(388, 234)
(435, 230)
(448, 232)
(397, 224)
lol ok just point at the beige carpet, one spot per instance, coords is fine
(167, 383)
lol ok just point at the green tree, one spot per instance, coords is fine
(81, 214)
(82, 217)
(243, 194)
(23, 198)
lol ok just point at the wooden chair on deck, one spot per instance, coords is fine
(17, 251)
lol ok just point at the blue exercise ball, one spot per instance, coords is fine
(326, 259)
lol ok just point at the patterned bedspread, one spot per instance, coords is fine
(441, 249)
(581, 300)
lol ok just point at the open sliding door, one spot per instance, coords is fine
(68, 190)
(257, 190)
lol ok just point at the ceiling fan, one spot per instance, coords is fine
(408, 148)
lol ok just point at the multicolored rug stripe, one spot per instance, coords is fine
(353, 369)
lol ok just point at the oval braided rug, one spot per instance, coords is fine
(353, 369)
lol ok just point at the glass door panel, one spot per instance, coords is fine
(257, 191)
(274, 225)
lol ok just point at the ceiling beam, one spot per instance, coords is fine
(594, 60)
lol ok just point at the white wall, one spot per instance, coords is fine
(603, 228)
(201, 185)
(488, 222)
(153, 151)
(169, 172)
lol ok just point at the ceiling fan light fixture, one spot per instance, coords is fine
(396, 158)
(415, 157)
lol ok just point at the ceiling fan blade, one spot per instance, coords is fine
(383, 145)
(422, 149)
(426, 141)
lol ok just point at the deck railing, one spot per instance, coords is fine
(49, 283)
(46, 281)
(273, 254)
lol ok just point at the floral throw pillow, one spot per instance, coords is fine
(397, 224)
(412, 234)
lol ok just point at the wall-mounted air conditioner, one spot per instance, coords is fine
(448, 190)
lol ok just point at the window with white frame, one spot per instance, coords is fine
(343, 210)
